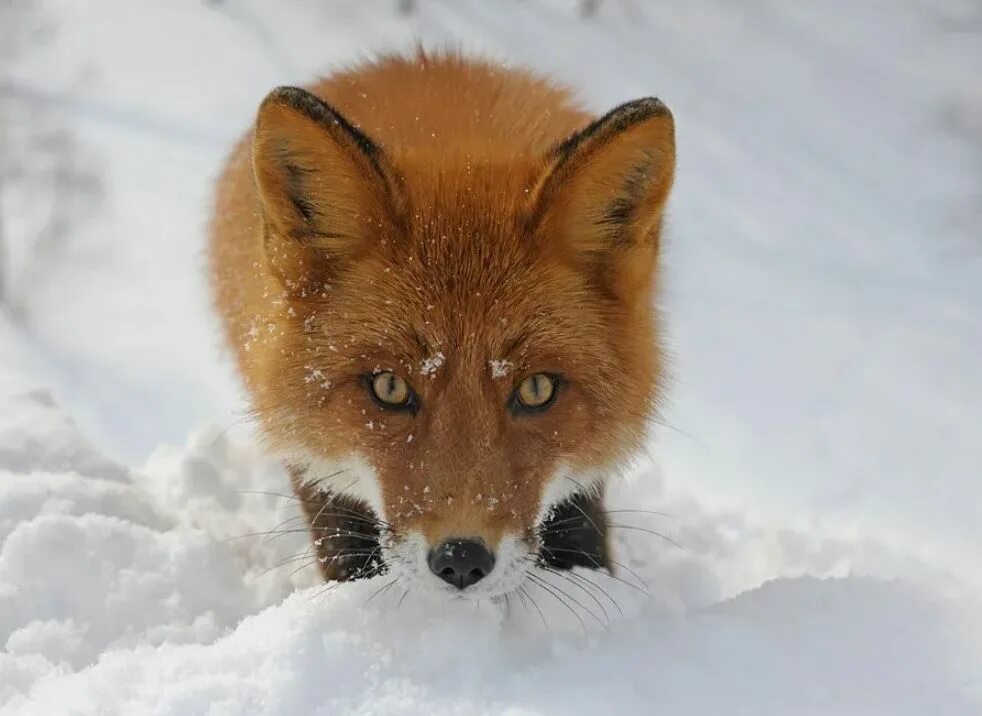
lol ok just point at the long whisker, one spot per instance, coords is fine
(571, 575)
(306, 554)
(680, 431)
(328, 503)
(351, 514)
(571, 597)
(268, 494)
(583, 488)
(639, 512)
(583, 589)
(353, 517)
(348, 553)
(356, 553)
(311, 563)
(339, 534)
(330, 586)
(262, 534)
(600, 567)
(524, 593)
(548, 588)
(275, 532)
(582, 512)
(651, 532)
(368, 574)
(381, 590)
(551, 525)
(600, 589)
(314, 483)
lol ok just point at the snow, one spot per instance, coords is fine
(500, 368)
(431, 365)
(819, 457)
(134, 591)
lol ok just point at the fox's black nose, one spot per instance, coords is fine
(461, 562)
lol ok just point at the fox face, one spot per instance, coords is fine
(462, 347)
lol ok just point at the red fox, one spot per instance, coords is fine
(436, 274)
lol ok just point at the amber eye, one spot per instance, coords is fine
(536, 392)
(391, 391)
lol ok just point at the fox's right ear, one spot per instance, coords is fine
(327, 191)
(603, 192)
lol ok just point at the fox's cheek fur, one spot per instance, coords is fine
(457, 228)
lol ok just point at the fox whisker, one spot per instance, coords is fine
(559, 595)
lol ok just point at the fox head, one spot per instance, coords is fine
(465, 341)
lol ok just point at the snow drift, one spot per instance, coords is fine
(146, 592)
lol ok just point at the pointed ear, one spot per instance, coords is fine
(327, 191)
(604, 190)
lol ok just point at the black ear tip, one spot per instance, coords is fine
(617, 120)
(286, 92)
(296, 98)
(640, 109)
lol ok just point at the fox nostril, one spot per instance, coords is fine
(461, 562)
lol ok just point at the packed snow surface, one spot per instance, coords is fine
(818, 463)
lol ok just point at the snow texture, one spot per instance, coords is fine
(431, 365)
(147, 591)
(500, 368)
(818, 461)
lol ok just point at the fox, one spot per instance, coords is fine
(438, 278)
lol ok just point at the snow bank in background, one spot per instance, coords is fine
(139, 594)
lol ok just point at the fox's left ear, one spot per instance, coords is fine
(604, 190)
(327, 192)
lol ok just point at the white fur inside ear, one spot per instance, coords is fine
(351, 475)
(565, 483)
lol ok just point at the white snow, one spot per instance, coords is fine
(146, 591)
(819, 463)
(500, 368)
(431, 365)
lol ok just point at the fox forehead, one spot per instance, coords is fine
(457, 298)
(395, 319)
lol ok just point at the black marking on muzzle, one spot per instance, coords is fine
(345, 532)
(347, 539)
(575, 534)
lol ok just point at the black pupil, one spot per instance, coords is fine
(539, 387)
(389, 387)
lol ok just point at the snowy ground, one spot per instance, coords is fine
(823, 469)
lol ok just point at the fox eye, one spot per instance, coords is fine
(537, 392)
(391, 391)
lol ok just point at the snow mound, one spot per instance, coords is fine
(794, 646)
(124, 592)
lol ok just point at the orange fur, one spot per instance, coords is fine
(475, 225)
